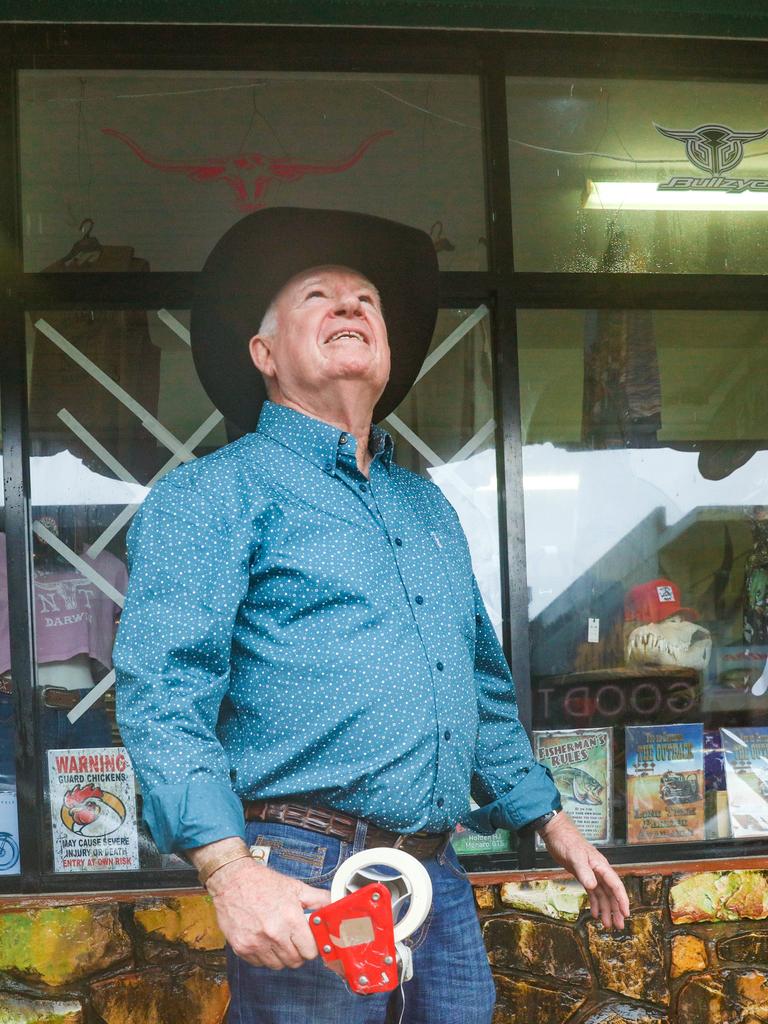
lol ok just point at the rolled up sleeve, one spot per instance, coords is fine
(512, 788)
(189, 568)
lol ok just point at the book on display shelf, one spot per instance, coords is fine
(746, 777)
(581, 762)
(718, 825)
(665, 783)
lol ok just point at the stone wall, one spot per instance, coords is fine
(144, 961)
(695, 951)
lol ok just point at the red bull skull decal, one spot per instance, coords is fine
(249, 175)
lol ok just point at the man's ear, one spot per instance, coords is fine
(260, 348)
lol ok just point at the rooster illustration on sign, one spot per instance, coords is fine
(91, 811)
(236, 170)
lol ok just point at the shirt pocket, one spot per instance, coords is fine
(319, 508)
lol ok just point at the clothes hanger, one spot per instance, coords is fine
(86, 249)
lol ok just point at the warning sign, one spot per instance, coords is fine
(93, 809)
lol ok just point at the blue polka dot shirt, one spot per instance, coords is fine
(295, 629)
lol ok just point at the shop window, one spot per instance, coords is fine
(115, 404)
(10, 863)
(130, 171)
(632, 176)
(645, 466)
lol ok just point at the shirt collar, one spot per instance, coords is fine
(319, 442)
(382, 445)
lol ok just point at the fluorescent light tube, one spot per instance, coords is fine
(646, 195)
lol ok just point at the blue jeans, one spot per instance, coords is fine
(451, 981)
(93, 729)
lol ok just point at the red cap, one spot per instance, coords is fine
(655, 601)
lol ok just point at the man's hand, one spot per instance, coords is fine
(608, 898)
(261, 912)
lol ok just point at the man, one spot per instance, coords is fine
(305, 665)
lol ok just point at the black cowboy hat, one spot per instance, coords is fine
(263, 251)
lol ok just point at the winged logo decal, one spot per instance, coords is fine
(713, 147)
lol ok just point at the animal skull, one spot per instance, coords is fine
(674, 641)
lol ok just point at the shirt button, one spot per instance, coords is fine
(447, 734)
(439, 666)
(343, 439)
(398, 542)
(439, 801)
(419, 599)
(363, 488)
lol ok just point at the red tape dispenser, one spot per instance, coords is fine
(359, 932)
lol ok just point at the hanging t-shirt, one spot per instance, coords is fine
(72, 614)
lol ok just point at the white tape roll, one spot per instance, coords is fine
(412, 882)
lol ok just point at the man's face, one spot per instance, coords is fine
(329, 328)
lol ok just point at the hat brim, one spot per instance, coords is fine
(688, 613)
(718, 459)
(263, 251)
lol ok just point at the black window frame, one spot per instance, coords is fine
(489, 56)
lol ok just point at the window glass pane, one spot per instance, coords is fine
(114, 405)
(164, 162)
(645, 471)
(588, 158)
(10, 863)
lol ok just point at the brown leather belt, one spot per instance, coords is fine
(58, 697)
(51, 696)
(422, 845)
